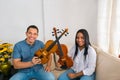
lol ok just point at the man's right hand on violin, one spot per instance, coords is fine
(36, 60)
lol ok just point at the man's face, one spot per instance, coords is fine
(31, 35)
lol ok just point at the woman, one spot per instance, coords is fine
(84, 58)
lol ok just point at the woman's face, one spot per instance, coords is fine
(31, 35)
(80, 40)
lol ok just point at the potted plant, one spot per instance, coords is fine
(5, 55)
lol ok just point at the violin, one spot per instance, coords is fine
(64, 60)
(50, 47)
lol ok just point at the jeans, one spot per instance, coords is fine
(36, 75)
(84, 77)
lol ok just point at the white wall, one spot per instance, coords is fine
(16, 15)
(74, 14)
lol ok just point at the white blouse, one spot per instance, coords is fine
(87, 65)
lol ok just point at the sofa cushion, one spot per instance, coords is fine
(108, 66)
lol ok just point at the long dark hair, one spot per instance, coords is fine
(86, 39)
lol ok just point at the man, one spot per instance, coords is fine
(28, 65)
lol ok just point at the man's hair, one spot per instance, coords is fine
(33, 26)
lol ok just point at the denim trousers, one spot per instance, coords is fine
(36, 75)
(84, 77)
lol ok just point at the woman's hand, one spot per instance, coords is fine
(72, 75)
(75, 75)
(58, 65)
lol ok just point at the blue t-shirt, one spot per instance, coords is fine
(25, 52)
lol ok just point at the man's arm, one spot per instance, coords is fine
(18, 64)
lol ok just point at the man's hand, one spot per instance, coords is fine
(47, 69)
(36, 60)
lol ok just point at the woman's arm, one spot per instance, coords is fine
(75, 75)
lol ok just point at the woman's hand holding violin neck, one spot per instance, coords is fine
(36, 60)
(58, 65)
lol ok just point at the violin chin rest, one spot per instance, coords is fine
(64, 67)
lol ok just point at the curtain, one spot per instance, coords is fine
(108, 26)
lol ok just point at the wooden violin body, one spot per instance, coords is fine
(43, 54)
(64, 60)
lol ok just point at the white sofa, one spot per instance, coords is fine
(108, 67)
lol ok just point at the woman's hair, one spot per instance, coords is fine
(33, 26)
(86, 39)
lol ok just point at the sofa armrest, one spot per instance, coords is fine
(107, 66)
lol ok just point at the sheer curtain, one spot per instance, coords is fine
(109, 26)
